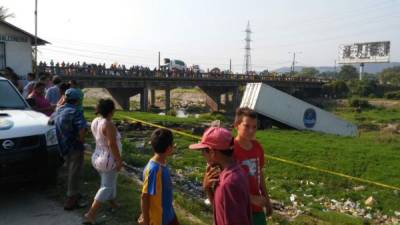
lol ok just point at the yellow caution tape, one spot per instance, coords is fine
(282, 160)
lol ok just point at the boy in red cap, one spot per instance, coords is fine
(250, 155)
(230, 199)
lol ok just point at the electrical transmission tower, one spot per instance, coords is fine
(292, 67)
(247, 54)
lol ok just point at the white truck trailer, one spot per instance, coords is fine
(284, 108)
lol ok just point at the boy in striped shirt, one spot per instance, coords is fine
(157, 192)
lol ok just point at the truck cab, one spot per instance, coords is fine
(28, 144)
(174, 64)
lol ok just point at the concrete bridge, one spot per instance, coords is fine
(123, 84)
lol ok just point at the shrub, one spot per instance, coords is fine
(393, 95)
(359, 103)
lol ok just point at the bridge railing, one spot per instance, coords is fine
(158, 74)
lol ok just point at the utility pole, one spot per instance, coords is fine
(334, 66)
(361, 71)
(159, 60)
(36, 64)
(247, 55)
(292, 67)
(230, 65)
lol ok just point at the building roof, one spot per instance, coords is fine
(39, 40)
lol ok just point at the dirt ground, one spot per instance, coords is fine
(31, 206)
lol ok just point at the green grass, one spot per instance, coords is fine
(372, 115)
(363, 157)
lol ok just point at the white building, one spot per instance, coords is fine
(16, 48)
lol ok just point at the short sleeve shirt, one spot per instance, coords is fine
(157, 184)
(252, 162)
(69, 121)
(53, 95)
(232, 199)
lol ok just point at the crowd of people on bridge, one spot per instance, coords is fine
(120, 70)
(78, 68)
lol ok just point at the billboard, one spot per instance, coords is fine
(368, 52)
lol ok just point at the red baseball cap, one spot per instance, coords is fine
(216, 138)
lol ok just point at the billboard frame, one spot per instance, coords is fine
(360, 48)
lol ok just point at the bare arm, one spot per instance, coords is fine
(210, 180)
(144, 219)
(264, 192)
(111, 135)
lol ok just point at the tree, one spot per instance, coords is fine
(308, 72)
(348, 72)
(4, 13)
(328, 74)
(390, 76)
(336, 89)
(365, 88)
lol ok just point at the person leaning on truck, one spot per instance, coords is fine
(71, 128)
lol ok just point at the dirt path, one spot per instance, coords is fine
(33, 207)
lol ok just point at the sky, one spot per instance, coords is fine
(206, 32)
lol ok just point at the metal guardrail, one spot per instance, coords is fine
(159, 74)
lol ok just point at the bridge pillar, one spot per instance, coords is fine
(213, 98)
(152, 97)
(144, 99)
(235, 98)
(122, 96)
(167, 99)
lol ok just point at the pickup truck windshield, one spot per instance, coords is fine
(9, 97)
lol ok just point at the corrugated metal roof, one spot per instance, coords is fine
(39, 40)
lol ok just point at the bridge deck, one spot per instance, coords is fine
(186, 78)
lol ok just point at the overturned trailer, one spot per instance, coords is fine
(290, 111)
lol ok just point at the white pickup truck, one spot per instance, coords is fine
(28, 145)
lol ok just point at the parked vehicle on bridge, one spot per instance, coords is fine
(174, 64)
(277, 106)
(28, 145)
(215, 70)
(196, 68)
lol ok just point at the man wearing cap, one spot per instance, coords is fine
(230, 198)
(71, 127)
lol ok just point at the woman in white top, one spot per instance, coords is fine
(107, 157)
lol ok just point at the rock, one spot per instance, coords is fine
(370, 201)
(368, 216)
(198, 130)
(359, 188)
(292, 197)
(277, 205)
(334, 201)
(397, 213)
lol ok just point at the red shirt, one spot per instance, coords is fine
(252, 162)
(231, 198)
(41, 103)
